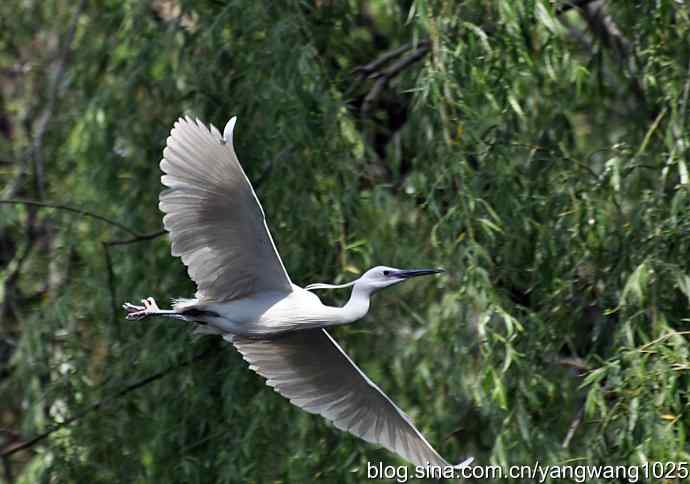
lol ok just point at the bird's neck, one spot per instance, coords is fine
(357, 306)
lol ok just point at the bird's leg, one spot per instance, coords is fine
(150, 308)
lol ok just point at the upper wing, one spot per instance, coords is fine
(215, 221)
(314, 373)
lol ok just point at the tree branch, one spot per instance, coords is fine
(10, 282)
(567, 6)
(134, 240)
(111, 282)
(604, 27)
(109, 266)
(684, 102)
(80, 211)
(12, 449)
(385, 76)
(573, 427)
(373, 66)
(137, 237)
(54, 86)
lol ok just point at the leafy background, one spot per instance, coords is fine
(536, 149)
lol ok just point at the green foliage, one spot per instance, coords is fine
(545, 165)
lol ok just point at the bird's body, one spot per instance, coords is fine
(244, 294)
(269, 314)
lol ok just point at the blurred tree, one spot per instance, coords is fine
(537, 149)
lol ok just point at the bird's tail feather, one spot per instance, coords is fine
(180, 304)
(205, 329)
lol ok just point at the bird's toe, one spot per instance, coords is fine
(134, 312)
(150, 304)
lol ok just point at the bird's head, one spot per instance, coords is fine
(379, 277)
(382, 276)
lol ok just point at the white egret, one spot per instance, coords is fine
(244, 294)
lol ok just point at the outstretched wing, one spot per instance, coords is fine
(216, 223)
(314, 373)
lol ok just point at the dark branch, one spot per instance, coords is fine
(137, 237)
(86, 213)
(109, 266)
(134, 240)
(10, 283)
(8, 470)
(571, 5)
(604, 27)
(573, 427)
(684, 102)
(53, 93)
(111, 283)
(106, 401)
(385, 76)
(383, 59)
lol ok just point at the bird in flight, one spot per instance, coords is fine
(244, 294)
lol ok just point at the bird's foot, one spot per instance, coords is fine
(135, 313)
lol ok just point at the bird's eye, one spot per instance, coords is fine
(386, 273)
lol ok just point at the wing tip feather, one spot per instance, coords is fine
(464, 463)
(229, 130)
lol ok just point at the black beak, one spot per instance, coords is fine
(406, 274)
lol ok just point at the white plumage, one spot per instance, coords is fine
(218, 228)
